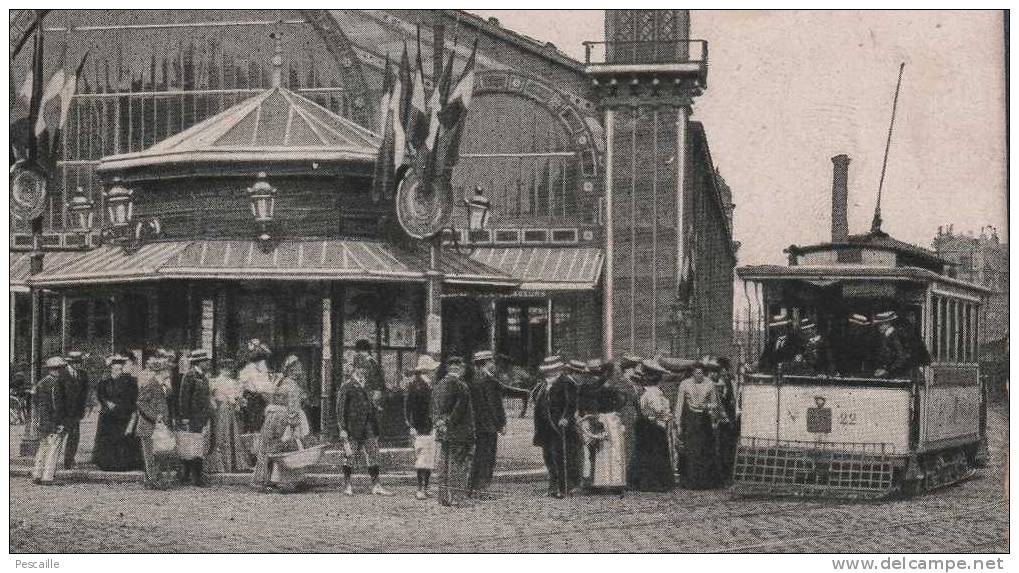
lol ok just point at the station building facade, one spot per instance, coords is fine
(609, 230)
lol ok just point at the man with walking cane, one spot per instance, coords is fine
(51, 408)
(553, 419)
(454, 430)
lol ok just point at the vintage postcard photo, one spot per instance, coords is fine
(509, 281)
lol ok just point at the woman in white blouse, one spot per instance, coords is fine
(698, 414)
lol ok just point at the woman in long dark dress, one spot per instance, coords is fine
(117, 394)
(653, 462)
(698, 416)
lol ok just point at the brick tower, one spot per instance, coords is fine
(647, 73)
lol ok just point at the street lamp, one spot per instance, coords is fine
(119, 204)
(477, 207)
(82, 215)
(263, 206)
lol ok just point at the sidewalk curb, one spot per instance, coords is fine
(234, 479)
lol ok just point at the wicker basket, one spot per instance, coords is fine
(190, 445)
(300, 459)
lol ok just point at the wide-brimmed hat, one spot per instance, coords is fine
(859, 320)
(780, 319)
(552, 365)
(807, 323)
(426, 364)
(116, 359)
(676, 365)
(596, 365)
(652, 365)
(54, 362)
(629, 361)
(73, 357)
(883, 317)
(199, 355)
(578, 366)
(483, 355)
(709, 363)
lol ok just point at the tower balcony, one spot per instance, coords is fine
(671, 61)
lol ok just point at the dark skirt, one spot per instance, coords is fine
(253, 412)
(113, 450)
(652, 468)
(700, 466)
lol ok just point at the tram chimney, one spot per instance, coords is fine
(840, 198)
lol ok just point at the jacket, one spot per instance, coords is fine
(417, 407)
(489, 410)
(374, 378)
(553, 403)
(153, 403)
(893, 354)
(780, 349)
(355, 412)
(50, 404)
(122, 391)
(453, 410)
(75, 392)
(190, 400)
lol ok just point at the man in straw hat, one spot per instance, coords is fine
(418, 415)
(153, 409)
(50, 404)
(75, 384)
(191, 409)
(782, 344)
(815, 352)
(554, 407)
(454, 430)
(894, 359)
(489, 418)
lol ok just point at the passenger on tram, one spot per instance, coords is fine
(783, 345)
(815, 352)
(895, 355)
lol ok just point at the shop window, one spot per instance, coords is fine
(101, 318)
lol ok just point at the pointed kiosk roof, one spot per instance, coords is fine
(277, 125)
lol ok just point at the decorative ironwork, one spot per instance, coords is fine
(28, 190)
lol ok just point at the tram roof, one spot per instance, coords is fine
(838, 273)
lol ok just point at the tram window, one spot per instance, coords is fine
(950, 339)
(935, 326)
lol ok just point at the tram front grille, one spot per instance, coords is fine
(836, 469)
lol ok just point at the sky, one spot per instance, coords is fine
(787, 90)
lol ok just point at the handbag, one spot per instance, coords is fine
(163, 440)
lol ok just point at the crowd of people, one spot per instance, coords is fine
(600, 425)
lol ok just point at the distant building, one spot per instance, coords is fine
(983, 260)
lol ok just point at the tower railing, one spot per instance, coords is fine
(646, 52)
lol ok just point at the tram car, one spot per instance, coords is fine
(835, 422)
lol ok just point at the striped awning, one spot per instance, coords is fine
(21, 263)
(546, 268)
(328, 259)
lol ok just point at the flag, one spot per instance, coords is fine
(686, 275)
(384, 172)
(447, 76)
(406, 86)
(417, 114)
(67, 93)
(26, 88)
(460, 98)
(396, 121)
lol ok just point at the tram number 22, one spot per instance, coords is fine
(847, 418)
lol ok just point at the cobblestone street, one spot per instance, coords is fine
(89, 517)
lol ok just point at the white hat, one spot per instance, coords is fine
(426, 364)
(883, 317)
(55, 362)
(483, 355)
